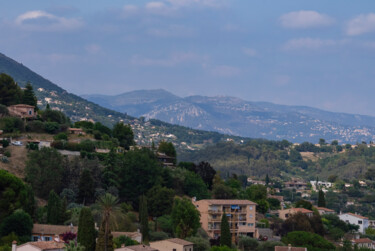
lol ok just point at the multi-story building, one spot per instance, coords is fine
(356, 219)
(241, 216)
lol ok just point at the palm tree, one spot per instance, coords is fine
(110, 210)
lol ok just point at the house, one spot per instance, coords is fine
(165, 159)
(363, 243)
(286, 213)
(136, 248)
(174, 244)
(241, 216)
(22, 111)
(289, 248)
(135, 236)
(321, 185)
(77, 131)
(256, 182)
(44, 232)
(39, 246)
(356, 219)
(323, 210)
(296, 184)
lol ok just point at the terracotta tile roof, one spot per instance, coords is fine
(52, 229)
(137, 248)
(301, 210)
(22, 105)
(229, 202)
(46, 245)
(180, 241)
(362, 240)
(325, 209)
(286, 248)
(356, 215)
(132, 235)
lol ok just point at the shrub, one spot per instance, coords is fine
(32, 146)
(11, 124)
(35, 126)
(61, 136)
(7, 154)
(158, 236)
(5, 143)
(4, 159)
(51, 127)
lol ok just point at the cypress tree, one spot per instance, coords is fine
(225, 236)
(53, 208)
(143, 218)
(267, 180)
(86, 187)
(86, 230)
(63, 208)
(29, 97)
(321, 199)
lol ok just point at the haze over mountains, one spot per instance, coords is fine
(244, 118)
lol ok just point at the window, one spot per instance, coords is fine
(35, 238)
(359, 222)
(251, 216)
(30, 112)
(174, 249)
(47, 238)
(251, 207)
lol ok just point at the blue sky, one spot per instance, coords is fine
(294, 52)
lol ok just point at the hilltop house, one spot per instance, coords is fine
(174, 244)
(22, 111)
(323, 210)
(44, 232)
(286, 213)
(363, 243)
(356, 219)
(241, 216)
(78, 131)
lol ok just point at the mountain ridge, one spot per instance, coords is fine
(233, 115)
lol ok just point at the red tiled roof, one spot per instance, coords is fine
(325, 209)
(180, 241)
(52, 229)
(362, 240)
(302, 210)
(229, 202)
(46, 245)
(286, 248)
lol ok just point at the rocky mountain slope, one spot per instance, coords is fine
(78, 109)
(235, 116)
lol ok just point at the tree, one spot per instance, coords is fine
(304, 204)
(185, 218)
(72, 246)
(322, 142)
(256, 192)
(105, 240)
(44, 171)
(143, 219)
(3, 111)
(309, 240)
(19, 223)
(109, 208)
(29, 97)
(194, 186)
(160, 201)
(267, 180)
(247, 243)
(54, 209)
(225, 236)
(14, 195)
(86, 187)
(321, 199)
(124, 134)
(167, 148)
(86, 235)
(10, 92)
(207, 173)
(222, 191)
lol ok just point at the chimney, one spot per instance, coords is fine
(289, 247)
(14, 245)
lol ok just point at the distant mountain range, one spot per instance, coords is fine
(77, 108)
(235, 116)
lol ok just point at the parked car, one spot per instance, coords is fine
(17, 143)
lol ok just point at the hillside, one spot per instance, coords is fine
(79, 109)
(239, 117)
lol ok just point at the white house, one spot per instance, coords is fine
(321, 184)
(356, 219)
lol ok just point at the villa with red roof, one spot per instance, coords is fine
(363, 243)
(286, 213)
(324, 210)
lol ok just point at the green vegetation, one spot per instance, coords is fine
(310, 241)
(225, 236)
(185, 218)
(86, 230)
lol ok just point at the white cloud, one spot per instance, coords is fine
(308, 43)
(225, 71)
(171, 61)
(305, 19)
(250, 52)
(43, 21)
(361, 24)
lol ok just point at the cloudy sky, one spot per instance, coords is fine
(318, 53)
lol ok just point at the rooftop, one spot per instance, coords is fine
(229, 202)
(286, 248)
(325, 209)
(46, 245)
(52, 229)
(362, 240)
(356, 215)
(178, 241)
(137, 248)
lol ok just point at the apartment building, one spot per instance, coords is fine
(241, 216)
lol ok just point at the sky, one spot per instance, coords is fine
(295, 52)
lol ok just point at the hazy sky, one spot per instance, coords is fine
(318, 53)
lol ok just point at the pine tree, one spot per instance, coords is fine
(321, 199)
(225, 236)
(143, 218)
(86, 187)
(53, 208)
(100, 244)
(29, 97)
(86, 230)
